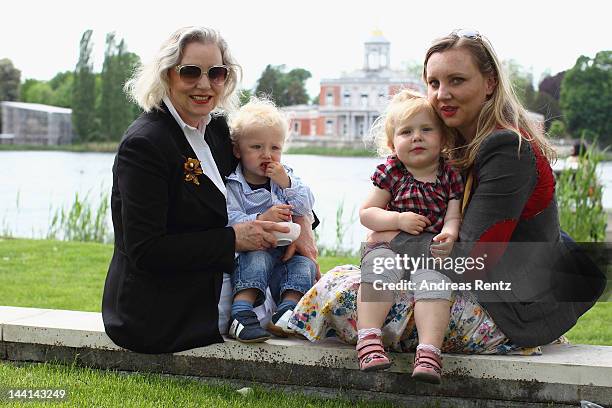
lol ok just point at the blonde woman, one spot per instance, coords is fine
(172, 242)
(510, 194)
(509, 230)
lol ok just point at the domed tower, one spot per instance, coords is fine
(377, 56)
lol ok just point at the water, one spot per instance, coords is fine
(34, 183)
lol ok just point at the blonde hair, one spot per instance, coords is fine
(502, 108)
(404, 105)
(259, 112)
(150, 83)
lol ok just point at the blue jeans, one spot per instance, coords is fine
(260, 269)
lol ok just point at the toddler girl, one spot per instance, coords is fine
(414, 191)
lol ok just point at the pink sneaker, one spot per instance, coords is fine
(427, 367)
(371, 354)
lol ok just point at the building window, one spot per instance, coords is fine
(329, 127)
(364, 100)
(329, 98)
(346, 101)
(382, 98)
(345, 129)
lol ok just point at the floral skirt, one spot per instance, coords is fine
(329, 309)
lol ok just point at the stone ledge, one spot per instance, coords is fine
(563, 375)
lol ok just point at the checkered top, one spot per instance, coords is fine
(410, 194)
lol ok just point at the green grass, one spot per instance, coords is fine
(70, 275)
(66, 275)
(53, 274)
(94, 388)
(594, 326)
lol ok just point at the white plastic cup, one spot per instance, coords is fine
(286, 238)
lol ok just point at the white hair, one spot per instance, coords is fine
(150, 83)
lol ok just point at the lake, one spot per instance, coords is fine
(33, 184)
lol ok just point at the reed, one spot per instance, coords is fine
(342, 224)
(579, 197)
(82, 221)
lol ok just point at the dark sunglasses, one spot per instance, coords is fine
(217, 74)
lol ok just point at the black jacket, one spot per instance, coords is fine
(172, 245)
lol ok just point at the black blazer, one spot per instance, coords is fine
(172, 245)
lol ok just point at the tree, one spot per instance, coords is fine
(62, 85)
(315, 99)
(586, 97)
(552, 85)
(115, 111)
(294, 84)
(56, 92)
(34, 91)
(522, 81)
(269, 83)
(547, 106)
(106, 109)
(557, 130)
(10, 78)
(245, 96)
(284, 88)
(83, 96)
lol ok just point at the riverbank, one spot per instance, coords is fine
(111, 147)
(94, 147)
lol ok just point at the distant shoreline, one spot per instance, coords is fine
(111, 147)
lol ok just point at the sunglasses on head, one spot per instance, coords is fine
(217, 74)
(466, 33)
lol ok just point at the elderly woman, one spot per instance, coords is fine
(172, 245)
(509, 200)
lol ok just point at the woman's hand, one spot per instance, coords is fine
(276, 213)
(442, 245)
(305, 245)
(412, 223)
(277, 173)
(381, 236)
(256, 235)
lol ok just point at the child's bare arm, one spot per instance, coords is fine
(374, 216)
(445, 240)
(372, 213)
(452, 219)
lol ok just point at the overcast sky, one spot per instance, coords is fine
(324, 37)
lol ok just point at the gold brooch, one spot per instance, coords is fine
(192, 170)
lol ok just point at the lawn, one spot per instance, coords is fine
(96, 388)
(65, 275)
(70, 275)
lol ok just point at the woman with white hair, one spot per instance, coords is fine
(172, 243)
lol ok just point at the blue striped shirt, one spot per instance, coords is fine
(244, 203)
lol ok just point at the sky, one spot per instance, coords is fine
(324, 37)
